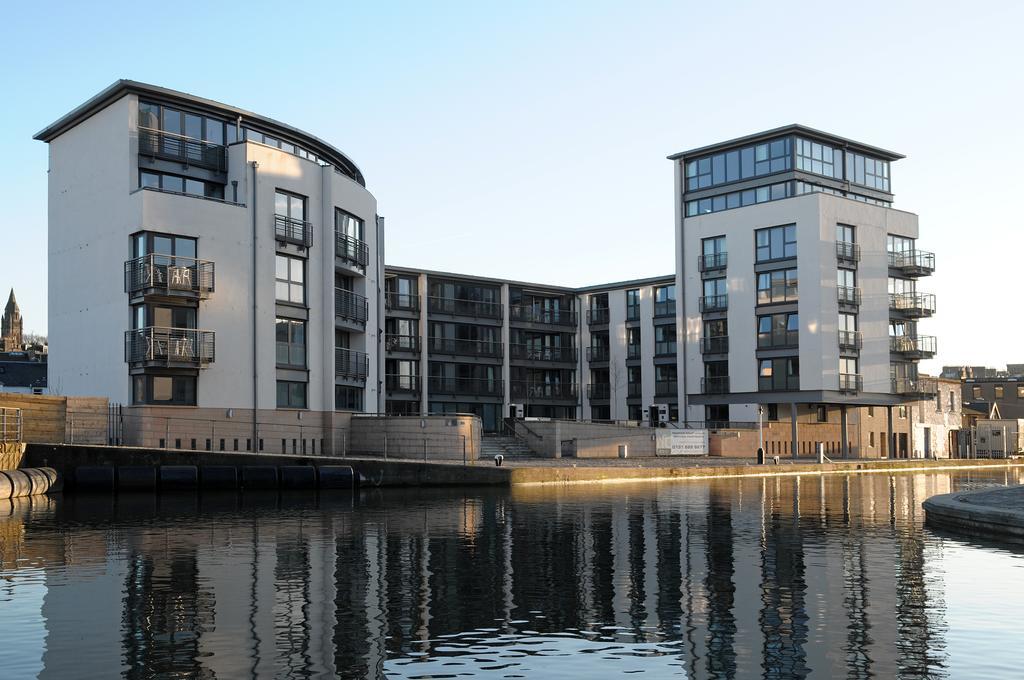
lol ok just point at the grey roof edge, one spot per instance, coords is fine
(123, 87)
(563, 289)
(820, 135)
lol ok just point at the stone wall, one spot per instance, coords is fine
(564, 438)
(437, 437)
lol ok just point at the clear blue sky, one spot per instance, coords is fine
(528, 140)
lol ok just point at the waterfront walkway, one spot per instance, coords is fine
(993, 513)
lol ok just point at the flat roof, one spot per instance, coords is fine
(123, 87)
(669, 278)
(794, 128)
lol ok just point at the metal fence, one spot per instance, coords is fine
(10, 425)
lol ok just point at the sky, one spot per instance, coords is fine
(528, 140)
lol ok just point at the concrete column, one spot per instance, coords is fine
(795, 450)
(890, 435)
(844, 432)
(506, 339)
(422, 293)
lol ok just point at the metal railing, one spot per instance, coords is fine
(634, 390)
(10, 425)
(633, 351)
(599, 390)
(550, 317)
(718, 344)
(291, 230)
(539, 353)
(160, 345)
(778, 292)
(456, 306)
(850, 340)
(402, 383)
(665, 308)
(473, 386)
(664, 348)
(776, 383)
(183, 149)
(598, 353)
(527, 389)
(912, 304)
(597, 316)
(712, 261)
(476, 348)
(401, 343)
(352, 364)
(778, 339)
(914, 386)
(351, 249)
(920, 346)
(847, 251)
(848, 295)
(666, 388)
(714, 303)
(913, 262)
(715, 385)
(406, 301)
(851, 382)
(169, 275)
(351, 306)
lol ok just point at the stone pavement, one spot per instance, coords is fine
(992, 513)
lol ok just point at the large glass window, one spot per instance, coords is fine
(156, 117)
(665, 339)
(347, 398)
(738, 199)
(846, 278)
(775, 243)
(633, 304)
(180, 185)
(291, 394)
(899, 244)
(778, 374)
(290, 279)
(844, 233)
(821, 159)
(867, 171)
(177, 390)
(750, 161)
(348, 225)
(665, 300)
(289, 205)
(778, 330)
(777, 286)
(291, 343)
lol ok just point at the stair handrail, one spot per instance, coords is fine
(511, 425)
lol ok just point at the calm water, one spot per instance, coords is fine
(826, 577)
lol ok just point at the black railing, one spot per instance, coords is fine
(455, 306)
(476, 348)
(527, 389)
(186, 150)
(351, 364)
(351, 249)
(664, 348)
(403, 301)
(921, 346)
(714, 303)
(351, 306)
(469, 386)
(401, 343)
(169, 275)
(633, 352)
(597, 316)
(847, 251)
(912, 304)
(551, 317)
(291, 230)
(850, 340)
(598, 353)
(666, 388)
(914, 386)
(778, 339)
(850, 382)
(599, 391)
(167, 346)
(665, 308)
(777, 383)
(848, 295)
(713, 261)
(632, 312)
(715, 385)
(718, 344)
(634, 390)
(402, 383)
(541, 353)
(913, 262)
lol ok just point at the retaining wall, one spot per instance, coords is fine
(53, 419)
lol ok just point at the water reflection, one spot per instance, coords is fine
(784, 577)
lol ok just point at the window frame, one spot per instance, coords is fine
(289, 281)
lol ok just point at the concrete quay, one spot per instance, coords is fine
(991, 513)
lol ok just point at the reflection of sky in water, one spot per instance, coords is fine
(783, 577)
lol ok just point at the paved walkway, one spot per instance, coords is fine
(997, 513)
(665, 462)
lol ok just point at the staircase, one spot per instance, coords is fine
(510, 447)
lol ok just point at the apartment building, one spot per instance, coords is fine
(208, 258)
(799, 282)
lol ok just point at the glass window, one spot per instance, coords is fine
(844, 233)
(149, 115)
(976, 393)
(149, 179)
(289, 205)
(290, 280)
(347, 398)
(348, 225)
(291, 342)
(846, 278)
(777, 286)
(999, 391)
(291, 394)
(775, 243)
(713, 246)
(172, 183)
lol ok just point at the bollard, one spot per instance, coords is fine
(179, 477)
(498, 459)
(820, 450)
(297, 476)
(776, 459)
(259, 477)
(336, 477)
(136, 477)
(760, 457)
(218, 477)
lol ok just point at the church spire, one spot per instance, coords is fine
(12, 303)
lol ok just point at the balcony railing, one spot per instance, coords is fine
(597, 316)
(351, 249)
(599, 391)
(455, 306)
(850, 340)
(848, 295)
(291, 230)
(468, 386)
(777, 383)
(597, 353)
(851, 382)
(530, 390)
(402, 383)
(707, 263)
(714, 303)
(912, 305)
(666, 388)
(664, 308)
(779, 292)
(169, 275)
(348, 363)
(914, 386)
(665, 348)
(551, 317)
(401, 343)
(847, 251)
(351, 306)
(475, 348)
(715, 385)
(186, 150)
(536, 353)
(914, 347)
(633, 352)
(402, 301)
(718, 344)
(913, 262)
(634, 390)
(778, 339)
(169, 346)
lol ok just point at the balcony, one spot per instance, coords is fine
(599, 391)
(597, 354)
(458, 307)
(851, 382)
(291, 230)
(352, 250)
(634, 390)
(707, 263)
(409, 302)
(467, 386)
(914, 387)
(402, 383)
(914, 347)
(350, 306)
(185, 150)
(633, 352)
(350, 364)
(664, 308)
(473, 348)
(847, 252)
(537, 353)
(170, 347)
(533, 390)
(718, 344)
(550, 317)
(401, 343)
(913, 262)
(847, 295)
(912, 305)
(715, 385)
(169, 275)
(850, 340)
(666, 388)
(597, 316)
(714, 303)
(665, 348)
(777, 383)
(780, 339)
